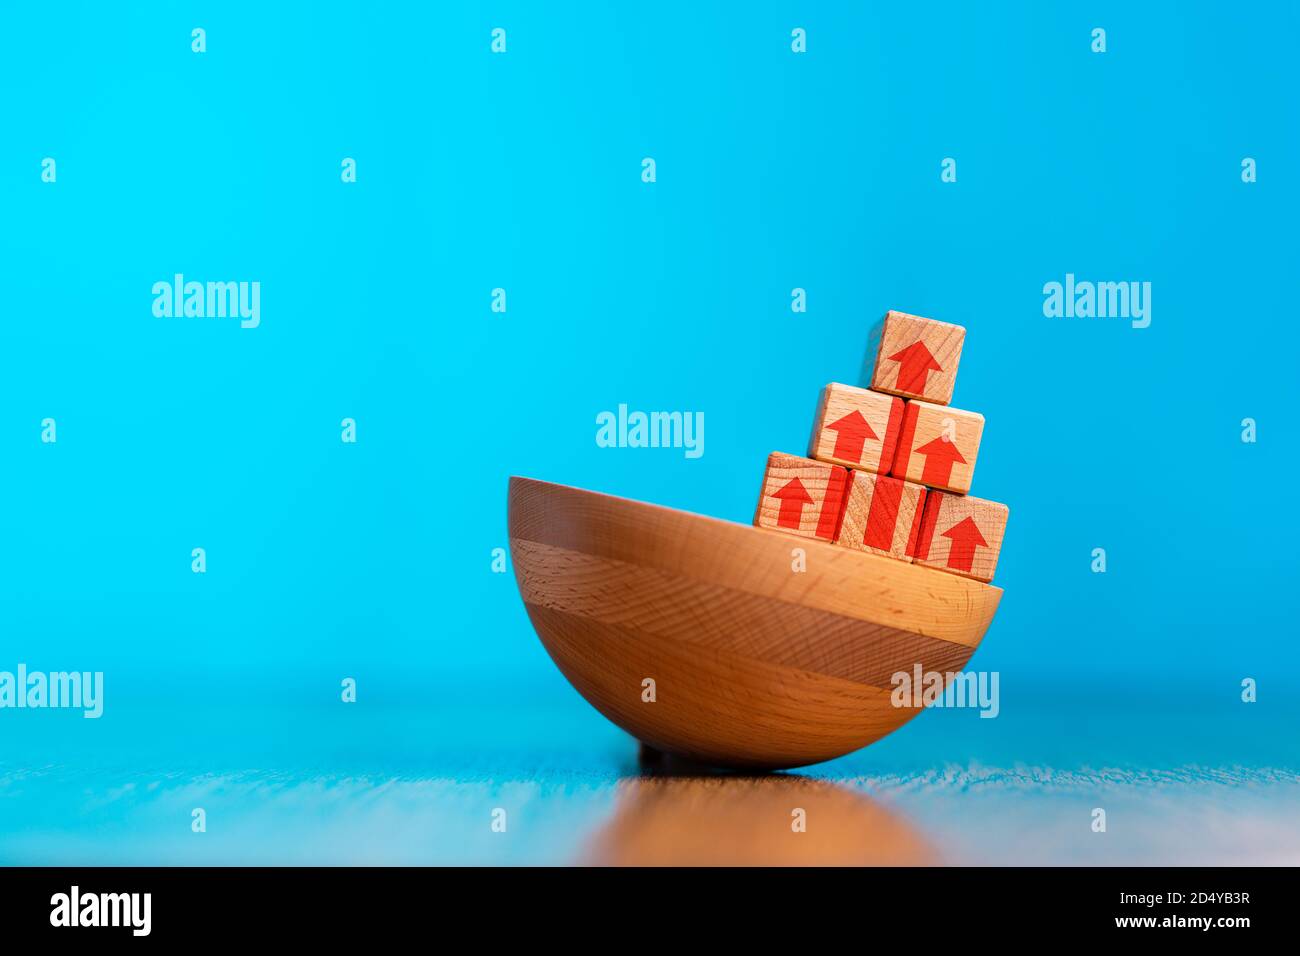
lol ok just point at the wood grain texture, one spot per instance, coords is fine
(962, 535)
(802, 496)
(938, 447)
(754, 664)
(883, 515)
(856, 427)
(915, 357)
(717, 618)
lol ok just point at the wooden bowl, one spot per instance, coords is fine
(754, 664)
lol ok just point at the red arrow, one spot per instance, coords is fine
(915, 365)
(965, 535)
(793, 497)
(852, 432)
(940, 454)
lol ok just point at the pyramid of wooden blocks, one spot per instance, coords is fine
(802, 496)
(916, 357)
(883, 515)
(961, 534)
(856, 427)
(889, 466)
(938, 446)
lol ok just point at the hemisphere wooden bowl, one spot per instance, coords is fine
(755, 665)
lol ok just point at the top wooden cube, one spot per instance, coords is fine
(916, 357)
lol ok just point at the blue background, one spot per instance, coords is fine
(523, 171)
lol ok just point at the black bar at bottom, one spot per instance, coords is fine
(301, 905)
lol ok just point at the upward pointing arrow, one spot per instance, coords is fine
(793, 497)
(940, 455)
(915, 365)
(965, 535)
(852, 432)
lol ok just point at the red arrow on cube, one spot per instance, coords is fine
(940, 455)
(793, 497)
(965, 536)
(851, 433)
(915, 365)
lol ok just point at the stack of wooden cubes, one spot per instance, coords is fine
(889, 467)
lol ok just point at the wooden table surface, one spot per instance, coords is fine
(422, 784)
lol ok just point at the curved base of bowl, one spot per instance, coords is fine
(699, 637)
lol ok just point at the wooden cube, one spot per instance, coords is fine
(802, 496)
(883, 515)
(961, 534)
(856, 427)
(938, 446)
(915, 357)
